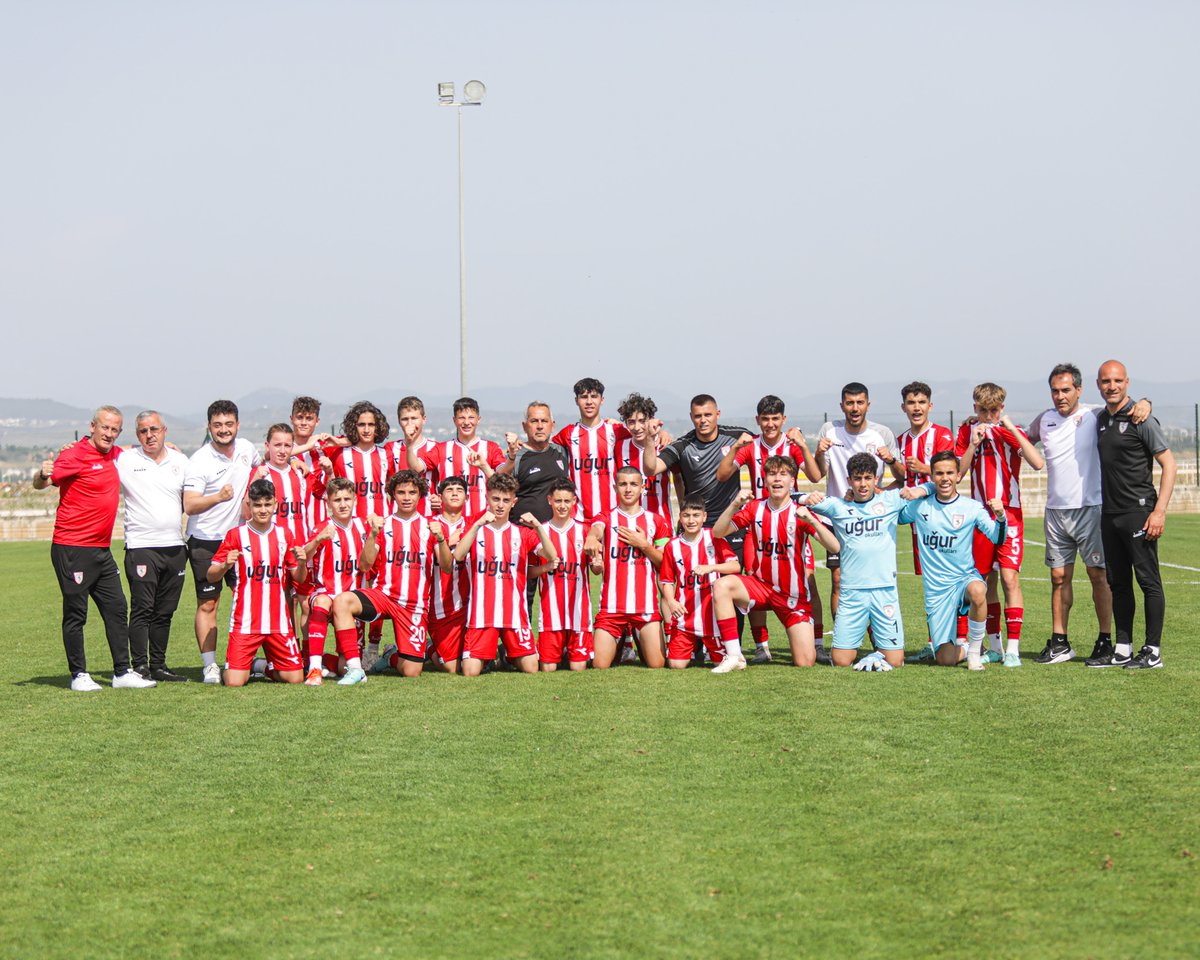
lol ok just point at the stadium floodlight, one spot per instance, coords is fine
(473, 94)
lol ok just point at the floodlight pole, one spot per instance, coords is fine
(462, 269)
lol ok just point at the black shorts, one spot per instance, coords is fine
(200, 554)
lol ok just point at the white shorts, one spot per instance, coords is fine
(1073, 531)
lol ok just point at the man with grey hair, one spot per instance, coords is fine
(152, 476)
(81, 552)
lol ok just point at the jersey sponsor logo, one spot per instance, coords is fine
(141, 570)
(290, 509)
(774, 548)
(567, 570)
(100, 466)
(591, 463)
(495, 567)
(404, 555)
(862, 527)
(937, 541)
(368, 488)
(345, 566)
(626, 553)
(533, 470)
(262, 571)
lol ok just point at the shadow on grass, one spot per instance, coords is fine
(61, 680)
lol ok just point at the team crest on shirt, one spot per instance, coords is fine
(78, 575)
(1078, 420)
(243, 458)
(141, 570)
(1124, 424)
(871, 448)
(878, 509)
(956, 520)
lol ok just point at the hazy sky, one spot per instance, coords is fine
(204, 198)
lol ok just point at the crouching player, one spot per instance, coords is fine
(497, 552)
(946, 525)
(692, 562)
(341, 550)
(776, 533)
(267, 562)
(565, 610)
(865, 527)
(628, 540)
(402, 570)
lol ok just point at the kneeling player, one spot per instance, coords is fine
(565, 609)
(865, 527)
(402, 571)
(267, 562)
(692, 562)
(945, 525)
(448, 596)
(628, 541)
(497, 552)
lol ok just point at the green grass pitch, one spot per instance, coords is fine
(1040, 812)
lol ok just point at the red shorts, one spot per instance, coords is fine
(483, 642)
(615, 624)
(683, 645)
(307, 588)
(408, 624)
(577, 643)
(1008, 555)
(282, 650)
(448, 635)
(762, 595)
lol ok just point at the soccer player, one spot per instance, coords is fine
(410, 415)
(865, 527)
(452, 588)
(1134, 517)
(625, 544)
(638, 414)
(776, 534)
(947, 524)
(691, 564)
(837, 442)
(363, 461)
(591, 443)
(267, 561)
(218, 476)
(342, 548)
(565, 612)
(467, 455)
(990, 446)
(498, 553)
(305, 418)
(403, 555)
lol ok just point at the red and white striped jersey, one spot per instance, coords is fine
(592, 464)
(754, 454)
(449, 459)
(260, 602)
(396, 454)
(498, 562)
(627, 452)
(404, 567)
(335, 566)
(450, 590)
(996, 466)
(368, 471)
(565, 594)
(314, 503)
(680, 558)
(775, 543)
(629, 584)
(291, 493)
(933, 439)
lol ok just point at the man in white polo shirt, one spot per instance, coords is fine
(152, 477)
(218, 477)
(1068, 435)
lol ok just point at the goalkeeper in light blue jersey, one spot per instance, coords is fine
(946, 523)
(866, 531)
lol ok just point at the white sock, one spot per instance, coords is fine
(354, 663)
(761, 646)
(208, 658)
(976, 629)
(258, 665)
(1013, 646)
(1124, 649)
(733, 648)
(993, 640)
(314, 663)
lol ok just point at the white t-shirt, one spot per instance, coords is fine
(1072, 460)
(208, 471)
(153, 498)
(874, 436)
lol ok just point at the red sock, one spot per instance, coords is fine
(375, 631)
(1013, 617)
(347, 642)
(331, 663)
(761, 634)
(962, 629)
(728, 629)
(993, 618)
(318, 624)
(394, 661)
(818, 631)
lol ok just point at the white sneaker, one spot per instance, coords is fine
(212, 674)
(974, 662)
(761, 655)
(132, 680)
(83, 683)
(729, 664)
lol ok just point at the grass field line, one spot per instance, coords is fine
(1161, 563)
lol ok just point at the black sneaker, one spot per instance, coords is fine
(163, 675)
(1108, 658)
(1102, 649)
(1146, 659)
(823, 657)
(142, 670)
(1057, 651)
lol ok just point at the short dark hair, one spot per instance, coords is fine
(465, 403)
(862, 463)
(337, 485)
(350, 421)
(219, 407)
(452, 482)
(1061, 368)
(588, 385)
(941, 457)
(503, 483)
(694, 501)
(409, 403)
(306, 405)
(279, 428)
(768, 405)
(261, 490)
(562, 485)
(780, 463)
(626, 469)
(636, 403)
(854, 388)
(407, 476)
(700, 399)
(915, 387)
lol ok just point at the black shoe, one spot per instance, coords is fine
(1146, 659)
(1108, 657)
(143, 671)
(1056, 651)
(163, 675)
(1102, 648)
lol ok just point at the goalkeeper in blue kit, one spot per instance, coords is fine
(945, 523)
